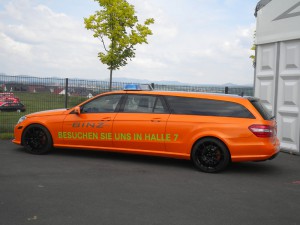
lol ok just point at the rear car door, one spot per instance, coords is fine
(141, 123)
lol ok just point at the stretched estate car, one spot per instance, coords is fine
(212, 130)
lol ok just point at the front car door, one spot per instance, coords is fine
(93, 126)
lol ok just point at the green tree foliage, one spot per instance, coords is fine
(116, 25)
(253, 48)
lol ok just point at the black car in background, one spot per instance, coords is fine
(12, 106)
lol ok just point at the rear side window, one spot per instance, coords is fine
(207, 107)
(144, 104)
(264, 112)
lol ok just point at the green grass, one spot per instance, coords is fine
(6, 136)
(34, 102)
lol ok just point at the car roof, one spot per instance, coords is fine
(215, 96)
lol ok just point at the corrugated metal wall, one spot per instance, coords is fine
(277, 73)
(277, 83)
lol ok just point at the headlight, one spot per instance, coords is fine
(21, 119)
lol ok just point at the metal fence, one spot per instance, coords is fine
(240, 90)
(39, 94)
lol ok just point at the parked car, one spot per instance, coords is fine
(210, 129)
(12, 106)
(8, 97)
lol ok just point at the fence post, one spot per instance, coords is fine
(226, 90)
(66, 92)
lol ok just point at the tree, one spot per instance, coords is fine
(253, 48)
(117, 24)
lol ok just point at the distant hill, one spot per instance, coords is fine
(134, 80)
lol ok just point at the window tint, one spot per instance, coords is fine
(107, 103)
(144, 104)
(207, 107)
(159, 107)
(264, 112)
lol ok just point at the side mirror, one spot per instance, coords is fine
(77, 110)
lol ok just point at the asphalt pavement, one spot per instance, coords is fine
(87, 187)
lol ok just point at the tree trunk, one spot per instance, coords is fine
(110, 80)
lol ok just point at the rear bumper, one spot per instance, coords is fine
(274, 156)
(262, 152)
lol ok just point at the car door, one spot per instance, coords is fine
(10, 106)
(4, 107)
(141, 123)
(93, 126)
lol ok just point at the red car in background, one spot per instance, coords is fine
(8, 97)
(8, 102)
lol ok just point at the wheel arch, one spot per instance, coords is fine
(32, 124)
(213, 137)
(210, 154)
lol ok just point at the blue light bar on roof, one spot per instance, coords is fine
(138, 87)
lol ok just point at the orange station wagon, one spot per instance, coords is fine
(211, 130)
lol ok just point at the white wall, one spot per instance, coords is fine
(278, 21)
(277, 75)
(288, 101)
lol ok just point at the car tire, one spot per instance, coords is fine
(37, 140)
(210, 155)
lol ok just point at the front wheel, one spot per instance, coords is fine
(36, 139)
(210, 155)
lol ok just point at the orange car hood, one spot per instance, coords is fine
(48, 113)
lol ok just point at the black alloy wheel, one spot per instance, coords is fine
(210, 155)
(36, 139)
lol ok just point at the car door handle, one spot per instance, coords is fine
(156, 120)
(106, 119)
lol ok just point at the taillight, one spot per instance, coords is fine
(262, 131)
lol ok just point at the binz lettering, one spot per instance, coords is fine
(75, 125)
(88, 125)
(100, 125)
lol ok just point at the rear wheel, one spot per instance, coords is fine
(36, 139)
(210, 155)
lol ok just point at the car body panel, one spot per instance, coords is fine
(90, 130)
(140, 131)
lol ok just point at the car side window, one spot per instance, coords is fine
(207, 107)
(102, 104)
(144, 104)
(159, 107)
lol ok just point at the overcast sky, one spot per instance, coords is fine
(193, 41)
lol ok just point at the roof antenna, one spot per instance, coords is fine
(242, 94)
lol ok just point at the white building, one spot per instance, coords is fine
(277, 73)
